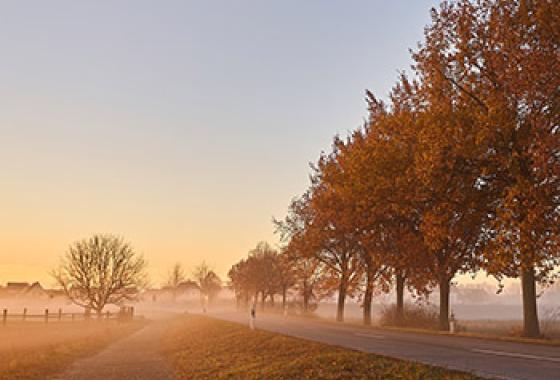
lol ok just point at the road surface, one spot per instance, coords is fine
(486, 358)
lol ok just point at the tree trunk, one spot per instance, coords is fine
(284, 291)
(368, 297)
(400, 299)
(263, 299)
(341, 300)
(530, 314)
(444, 302)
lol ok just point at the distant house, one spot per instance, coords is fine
(164, 294)
(187, 290)
(24, 290)
(56, 293)
(35, 290)
(150, 295)
(15, 288)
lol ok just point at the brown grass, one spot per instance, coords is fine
(35, 350)
(487, 330)
(508, 331)
(205, 348)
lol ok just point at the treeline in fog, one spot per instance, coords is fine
(457, 172)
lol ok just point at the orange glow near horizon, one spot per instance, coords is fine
(182, 129)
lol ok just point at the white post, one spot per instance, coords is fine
(252, 316)
(452, 324)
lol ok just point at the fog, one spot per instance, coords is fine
(470, 303)
(476, 301)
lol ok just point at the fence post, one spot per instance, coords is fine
(46, 315)
(59, 314)
(72, 317)
(24, 313)
(4, 316)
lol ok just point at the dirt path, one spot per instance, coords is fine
(134, 357)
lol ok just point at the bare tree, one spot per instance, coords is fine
(100, 271)
(208, 282)
(174, 278)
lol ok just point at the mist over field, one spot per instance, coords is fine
(326, 190)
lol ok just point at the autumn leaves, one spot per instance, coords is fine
(458, 171)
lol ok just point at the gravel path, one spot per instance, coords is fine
(134, 357)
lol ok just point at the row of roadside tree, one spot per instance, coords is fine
(457, 172)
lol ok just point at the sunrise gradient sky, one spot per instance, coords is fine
(182, 126)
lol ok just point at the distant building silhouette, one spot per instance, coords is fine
(25, 290)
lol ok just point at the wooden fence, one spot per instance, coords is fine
(48, 316)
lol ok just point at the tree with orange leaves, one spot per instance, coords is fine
(501, 59)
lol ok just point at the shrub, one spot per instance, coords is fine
(550, 322)
(415, 315)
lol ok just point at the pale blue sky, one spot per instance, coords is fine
(182, 125)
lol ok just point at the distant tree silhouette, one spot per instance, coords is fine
(100, 271)
(174, 278)
(208, 282)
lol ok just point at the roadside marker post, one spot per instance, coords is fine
(452, 323)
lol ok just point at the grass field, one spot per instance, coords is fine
(35, 350)
(205, 348)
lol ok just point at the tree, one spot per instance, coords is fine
(454, 209)
(500, 58)
(174, 278)
(308, 276)
(265, 271)
(460, 171)
(208, 282)
(100, 271)
(286, 275)
(331, 231)
(240, 282)
(377, 190)
(315, 226)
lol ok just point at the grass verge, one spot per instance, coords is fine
(489, 335)
(36, 351)
(205, 348)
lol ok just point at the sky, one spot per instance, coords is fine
(182, 126)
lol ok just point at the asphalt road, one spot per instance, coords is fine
(486, 358)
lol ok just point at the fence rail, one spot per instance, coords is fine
(125, 313)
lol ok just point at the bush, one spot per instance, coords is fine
(415, 315)
(550, 322)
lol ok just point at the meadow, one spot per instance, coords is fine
(34, 350)
(206, 348)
